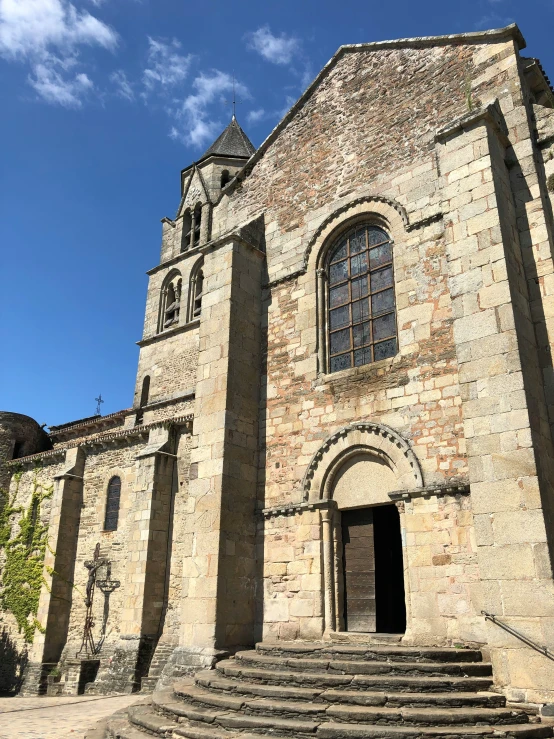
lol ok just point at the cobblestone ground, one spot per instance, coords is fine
(56, 718)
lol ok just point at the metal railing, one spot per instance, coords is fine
(521, 637)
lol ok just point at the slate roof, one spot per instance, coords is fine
(233, 142)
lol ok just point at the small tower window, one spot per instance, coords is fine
(199, 284)
(225, 178)
(197, 223)
(111, 518)
(187, 235)
(143, 399)
(195, 292)
(170, 302)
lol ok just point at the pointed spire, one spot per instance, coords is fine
(233, 142)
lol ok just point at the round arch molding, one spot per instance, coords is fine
(359, 438)
(391, 215)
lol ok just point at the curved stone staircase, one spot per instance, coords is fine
(334, 692)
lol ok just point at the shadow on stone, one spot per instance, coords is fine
(12, 664)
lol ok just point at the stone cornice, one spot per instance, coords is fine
(455, 488)
(292, 509)
(491, 115)
(68, 429)
(195, 251)
(135, 432)
(51, 456)
(187, 395)
(169, 332)
(362, 200)
(109, 439)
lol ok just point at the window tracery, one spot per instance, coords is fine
(361, 310)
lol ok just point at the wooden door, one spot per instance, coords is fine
(359, 570)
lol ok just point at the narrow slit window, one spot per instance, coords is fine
(360, 301)
(112, 504)
(187, 227)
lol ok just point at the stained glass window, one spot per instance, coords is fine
(112, 504)
(361, 305)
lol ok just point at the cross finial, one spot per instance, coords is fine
(234, 101)
(99, 401)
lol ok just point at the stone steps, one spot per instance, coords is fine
(359, 667)
(220, 684)
(211, 704)
(411, 683)
(370, 652)
(380, 691)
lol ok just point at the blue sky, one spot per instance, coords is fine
(103, 103)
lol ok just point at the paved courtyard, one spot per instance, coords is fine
(56, 718)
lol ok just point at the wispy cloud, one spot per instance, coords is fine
(123, 86)
(255, 116)
(47, 35)
(54, 87)
(276, 49)
(492, 20)
(284, 50)
(167, 67)
(193, 120)
(34, 26)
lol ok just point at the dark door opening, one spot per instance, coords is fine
(373, 570)
(389, 571)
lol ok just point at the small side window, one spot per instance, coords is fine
(111, 518)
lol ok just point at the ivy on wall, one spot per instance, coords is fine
(22, 575)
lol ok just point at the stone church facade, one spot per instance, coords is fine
(342, 420)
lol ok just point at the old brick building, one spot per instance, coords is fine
(342, 421)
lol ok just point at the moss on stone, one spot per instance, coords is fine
(22, 575)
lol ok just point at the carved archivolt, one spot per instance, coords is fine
(377, 205)
(373, 438)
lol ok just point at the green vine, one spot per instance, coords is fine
(22, 575)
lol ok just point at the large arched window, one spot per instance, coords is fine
(360, 300)
(112, 504)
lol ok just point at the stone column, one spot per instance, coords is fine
(219, 609)
(205, 223)
(328, 569)
(321, 321)
(55, 600)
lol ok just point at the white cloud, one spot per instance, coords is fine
(54, 88)
(255, 116)
(193, 123)
(30, 27)
(492, 20)
(47, 34)
(276, 49)
(166, 66)
(123, 87)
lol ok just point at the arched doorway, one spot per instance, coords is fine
(370, 546)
